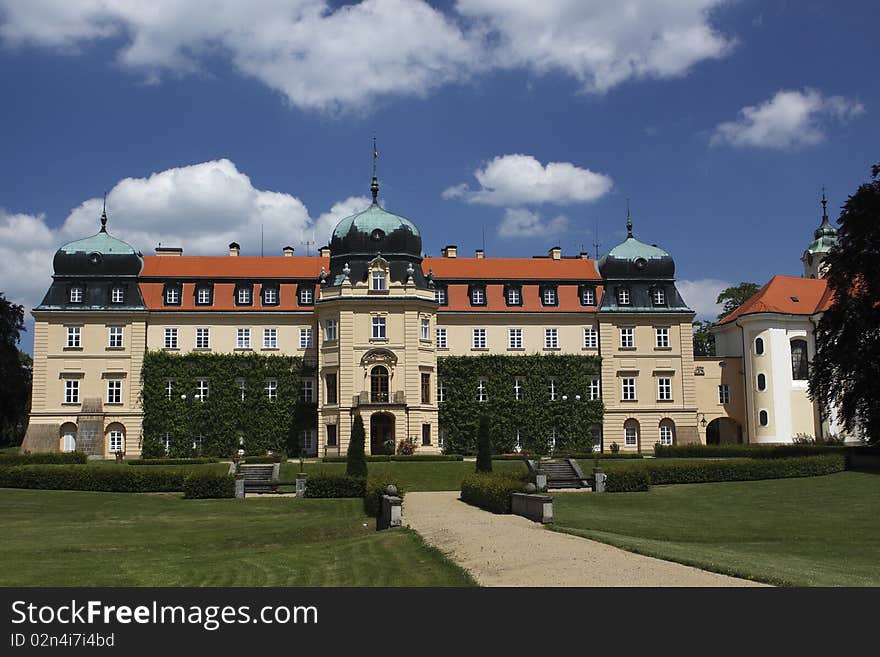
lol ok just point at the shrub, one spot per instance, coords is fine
(44, 458)
(335, 485)
(80, 477)
(266, 458)
(490, 491)
(375, 489)
(406, 447)
(747, 450)
(199, 461)
(614, 448)
(589, 456)
(484, 446)
(356, 464)
(205, 485)
(152, 448)
(776, 468)
(380, 458)
(627, 481)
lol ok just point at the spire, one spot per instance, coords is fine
(104, 215)
(629, 222)
(824, 207)
(374, 185)
(825, 229)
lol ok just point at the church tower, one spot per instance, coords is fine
(825, 237)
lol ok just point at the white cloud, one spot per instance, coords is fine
(202, 207)
(520, 222)
(326, 58)
(788, 120)
(509, 180)
(700, 295)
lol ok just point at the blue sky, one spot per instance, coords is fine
(529, 122)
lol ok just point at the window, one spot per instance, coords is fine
(549, 296)
(270, 295)
(441, 392)
(117, 294)
(169, 388)
(242, 389)
(440, 296)
(480, 338)
(627, 339)
(478, 296)
(243, 297)
(514, 296)
(307, 391)
(441, 338)
(799, 367)
(270, 338)
(517, 442)
(170, 338)
(659, 297)
(631, 433)
(378, 280)
(514, 338)
(664, 389)
(203, 338)
(379, 328)
(623, 296)
(76, 294)
(243, 338)
(114, 391)
(202, 389)
(759, 346)
(73, 337)
(379, 384)
(588, 296)
(667, 432)
(426, 388)
(203, 295)
(482, 394)
(763, 418)
(591, 338)
(332, 388)
(661, 338)
(307, 439)
(305, 338)
(271, 389)
(166, 441)
(306, 296)
(595, 390)
(172, 296)
(554, 436)
(762, 382)
(426, 435)
(71, 391)
(330, 331)
(724, 394)
(518, 389)
(331, 435)
(426, 328)
(629, 388)
(551, 338)
(554, 390)
(115, 440)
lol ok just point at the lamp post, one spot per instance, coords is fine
(566, 423)
(188, 400)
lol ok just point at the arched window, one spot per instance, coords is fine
(379, 384)
(763, 418)
(631, 433)
(759, 346)
(68, 437)
(799, 369)
(667, 432)
(116, 438)
(762, 382)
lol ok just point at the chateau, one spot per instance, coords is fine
(373, 317)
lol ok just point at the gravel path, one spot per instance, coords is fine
(506, 550)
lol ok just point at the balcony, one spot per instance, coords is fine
(365, 398)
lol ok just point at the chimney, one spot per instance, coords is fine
(287, 251)
(555, 253)
(480, 253)
(584, 255)
(324, 251)
(234, 249)
(169, 251)
(450, 251)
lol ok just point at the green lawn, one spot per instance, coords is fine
(65, 538)
(814, 531)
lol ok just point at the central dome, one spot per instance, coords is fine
(376, 231)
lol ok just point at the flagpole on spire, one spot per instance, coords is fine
(104, 215)
(629, 223)
(374, 185)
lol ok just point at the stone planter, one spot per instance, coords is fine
(599, 478)
(301, 484)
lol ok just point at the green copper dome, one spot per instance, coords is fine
(102, 243)
(825, 235)
(374, 218)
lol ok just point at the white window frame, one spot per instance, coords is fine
(661, 337)
(514, 338)
(270, 295)
(594, 389)
(117, 294)
(441, 391)
(166, 441)
(305, 338)
(170, 336)
(114, 391)
(426, 329)
(307, 391)
(172, 296)
(244, 296)
(482, 393)
(667, 434)
(591, 337)
(203, 296)
(76, 294)
(169, 388)
(631, 439)
(378, 281)
(242, 338)
(514, 296)
(330, 330)
(627, 337)
(549, 296)
(203, 337)
(270, 338)
(380, 329)
(551, 338)
(441, 337)
(74, 337)
(518, 389)
(242, 389)
(271, 389)
(440, 296)
(479, 338)
(554, 390)
(659, 297)
(71, 391)
(478, 296)
(623, 296)
(306, 296)
(664, 388)
(724, 393)
(628, 388)
(204, 389)
(588, 296)
(116, 441)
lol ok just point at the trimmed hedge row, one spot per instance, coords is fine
(335, 485)
(109, 479)
(587, 456)
(198, 461)
(375, 489)
(44, 458)
(628, 481)
(384, 458)
(208, 485)
(746, 450)
(490, 491)
(273, 458)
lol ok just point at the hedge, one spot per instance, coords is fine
(265, 458)
(79, 477)
(384, 458)
(376, 485)
(627, 481)
(206, 485)
(335, 485)
(587, 456)
(199, 461)
(44, 458)
(746, 450)
(490, 491)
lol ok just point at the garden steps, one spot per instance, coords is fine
(258, 478)
(561, 473)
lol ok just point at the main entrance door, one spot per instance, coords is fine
(381, 433)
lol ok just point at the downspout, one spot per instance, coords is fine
(818, 403)
(745, 354)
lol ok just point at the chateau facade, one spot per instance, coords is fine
(372, 318)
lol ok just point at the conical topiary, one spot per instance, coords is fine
(356, 461)
(484, 446)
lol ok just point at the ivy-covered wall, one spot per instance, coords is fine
(535, 415)
(266, 425)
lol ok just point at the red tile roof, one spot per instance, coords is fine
(224, 298)
(787, 295)
(569, 302)
(216, 267)
(568, 269)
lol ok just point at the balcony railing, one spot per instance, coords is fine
(397, 397)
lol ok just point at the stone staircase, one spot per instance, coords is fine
(259, 478)
(561, 473)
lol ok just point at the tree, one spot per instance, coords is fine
(356, 460)
(845, 373)
(484, 446)
(734, 297)
(704, 341)
(15, 374)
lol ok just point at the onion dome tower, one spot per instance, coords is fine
(825, 238)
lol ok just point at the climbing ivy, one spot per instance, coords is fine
(265, 425)
(535, 415)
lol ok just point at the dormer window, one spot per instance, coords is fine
(378, 282)
(244, 295)
(514, 295)
(659, 297)
(306, 296)
(623, 296)
(172, 294)
(270, 295)
(440, 295)
(117, 294)
(203, 295)
(76, 294)
(588, 296)
(548, 296)
(478, 295)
